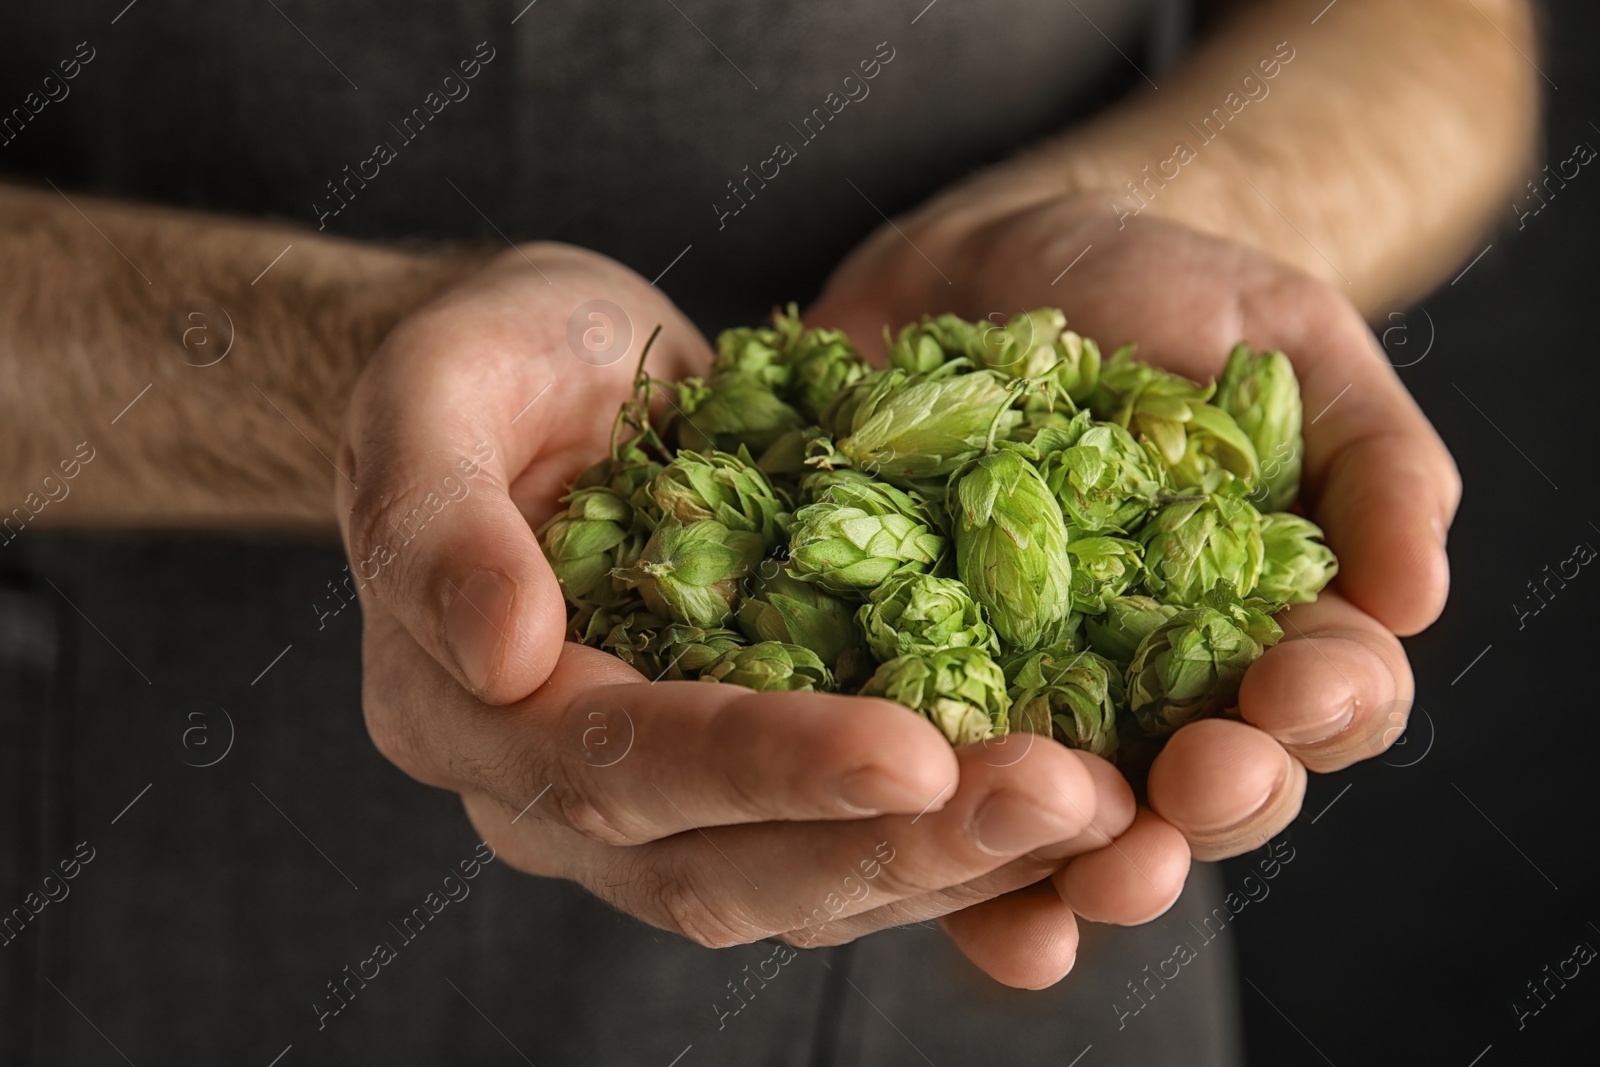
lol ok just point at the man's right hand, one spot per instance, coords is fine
(721, 814)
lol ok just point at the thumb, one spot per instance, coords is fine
(433, 534)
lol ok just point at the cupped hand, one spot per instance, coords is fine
(1376, 478)
(719, 813)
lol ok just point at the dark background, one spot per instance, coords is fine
(1426, 888)
(1407, 924)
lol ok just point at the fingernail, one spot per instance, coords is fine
(1007, 825)
(1332, 722)
(873, 791)
(475, 623)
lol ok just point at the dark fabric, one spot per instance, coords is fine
(613, 124)
(214, 891)
(206, 926)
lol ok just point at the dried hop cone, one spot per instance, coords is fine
(585, 542)
(1260, 391)
(1068, 694)
(1011, 546)
(770, 665)
(1194, 544)
(913, 612)
(1104, 481)
(920, 426)
(690, 573)
(720, 486)
(962, 691)
(1191, 665)
(1296, 565)
(780, 607)
(859, 533)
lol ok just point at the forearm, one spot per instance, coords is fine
(1374, 157)
(105, 299)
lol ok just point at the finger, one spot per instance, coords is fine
(622, 761)
(1114, 813)
(1131, 881)
(465, 398)
(1377, 478)
(1226, 786)
(740, 883)
(1336, 690)
(1027, 939)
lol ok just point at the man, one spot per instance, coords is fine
(1297, 170)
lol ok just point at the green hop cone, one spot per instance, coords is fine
(684, 651)
(624, 474)
(770, 665)
(690, 573)
(859, 533)
(922, 426)
(592, 624)
(1011, 546)
(1069, 694)
(838, 414)
(585, 542)
(1260, 391)
(626, 633)
(1296, 565)
(780, 607)
(1103, 479)
(1127, 620)
(817, 482)
(1190, 666)
(933, 342)
(662, 650)
(1194, 544)
(1199, 443)
(730, 411)
(756, 353)
(962, 691)
(1102, 569)
(716, 485)
(919, 613)
(1025, 347)
(823, 363)
(1077, 368)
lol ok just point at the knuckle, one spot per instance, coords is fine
(593, 814)
(675, 900)
(395, 735)
(907, 879)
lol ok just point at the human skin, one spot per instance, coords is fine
(467, 684)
